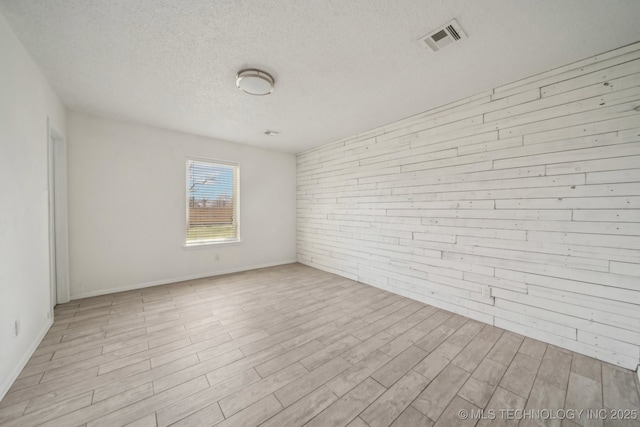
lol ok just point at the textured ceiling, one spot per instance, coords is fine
(341, 67)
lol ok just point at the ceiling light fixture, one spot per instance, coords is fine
(255, 82)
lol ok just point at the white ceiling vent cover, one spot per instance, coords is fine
(444, 36)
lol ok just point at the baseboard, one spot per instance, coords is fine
(8, 382)
(178, 279)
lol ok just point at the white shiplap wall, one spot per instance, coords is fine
(519, 207)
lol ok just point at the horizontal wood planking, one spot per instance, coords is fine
(529, 193)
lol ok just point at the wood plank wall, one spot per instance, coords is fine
(519, 207)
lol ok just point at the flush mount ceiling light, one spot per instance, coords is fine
(255, 82)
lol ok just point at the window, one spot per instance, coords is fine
(212, 202)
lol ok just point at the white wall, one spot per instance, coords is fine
(530, 191)
(127, 206)
(26, 101)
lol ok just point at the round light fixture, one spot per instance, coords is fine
(255, 82)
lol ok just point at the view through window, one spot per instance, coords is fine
(212, 202)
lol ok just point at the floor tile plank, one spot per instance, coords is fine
(395, 400)
(198, 401)
(435, 398)
(309, 382)
(398, 366)
(254, 414)
(260, 389)
(304, 409)
(411, 417)
(345, 409)
(357, 373)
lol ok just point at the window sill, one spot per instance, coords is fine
(202, 245)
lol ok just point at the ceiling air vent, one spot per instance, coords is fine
(443, 36)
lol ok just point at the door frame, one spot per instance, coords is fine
(58, 223)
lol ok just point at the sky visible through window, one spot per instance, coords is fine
(209, 181)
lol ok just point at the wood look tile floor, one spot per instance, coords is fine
(291, 346)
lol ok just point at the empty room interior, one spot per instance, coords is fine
(287, 213)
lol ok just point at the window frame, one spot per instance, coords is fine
(236, 203)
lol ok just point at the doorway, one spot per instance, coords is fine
(58, 225)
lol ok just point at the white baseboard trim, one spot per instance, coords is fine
(178, 279)
(8, 382)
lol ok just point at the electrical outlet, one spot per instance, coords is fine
(486, 291)
(16, 327)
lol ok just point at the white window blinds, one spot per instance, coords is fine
(212, 202)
